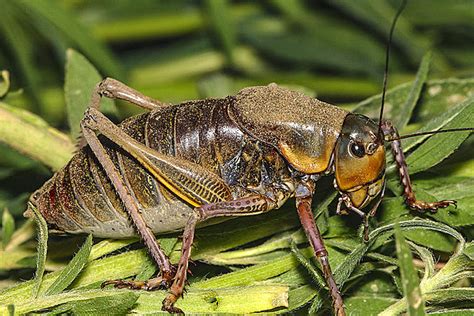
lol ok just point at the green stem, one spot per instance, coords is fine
(33, 137)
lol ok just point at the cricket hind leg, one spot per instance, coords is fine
(195, 184)
(246, 206)
(167, 271)
(114, 89)
(391, 132)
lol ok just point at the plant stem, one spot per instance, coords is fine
(33, 137)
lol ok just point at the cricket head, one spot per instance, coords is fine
(360, 160)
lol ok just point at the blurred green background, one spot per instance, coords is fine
(179, 50)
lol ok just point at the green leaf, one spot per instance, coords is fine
(469, 252)
(8, 227)
(249, 275)
(318, 33)
(401, 115)
(376, 14)
(70, 272)
(306, 263)
(84, 302)
(462, 215)
(275, 39)
(367, 305)
(14, 33)
(427, 257)
(451, 295)
(5, 83)
(300, 296)
(42, 249)
(124, 265)
(149, 267)
(440, 146)
(152, 25)
(437, 97)
(234, 300)
(109, 245)
(230, 234)
(455, 312)
(410, 281)
(30, 135)
(81, 79)
(118, 304)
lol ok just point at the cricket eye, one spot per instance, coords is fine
(357, 150)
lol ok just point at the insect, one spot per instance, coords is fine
(178, 166)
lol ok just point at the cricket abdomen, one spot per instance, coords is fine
(80, 197)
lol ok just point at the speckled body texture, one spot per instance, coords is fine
(238, 138)
(304, 129)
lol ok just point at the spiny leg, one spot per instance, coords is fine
(303, 204)
(391, 132)
(250, 205)
(167, 270)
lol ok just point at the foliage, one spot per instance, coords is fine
(183, 50)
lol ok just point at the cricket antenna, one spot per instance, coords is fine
(387, 58)
(460, 129)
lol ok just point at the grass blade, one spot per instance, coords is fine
(221, 19)
(42, 249)
(78, 299)
(235, 300)
(410, 280)
(401, 115)
(70, 272)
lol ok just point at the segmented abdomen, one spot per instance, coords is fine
(81, 199)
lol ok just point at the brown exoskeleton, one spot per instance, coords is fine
(177, 166)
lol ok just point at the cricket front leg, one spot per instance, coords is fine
(303, 204)
(391, 132)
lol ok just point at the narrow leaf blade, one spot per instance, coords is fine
(440, 146)
(410, 280)
(42, 249)
(401, 115)
(81, 79)
(8, 227)
(74, 267)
